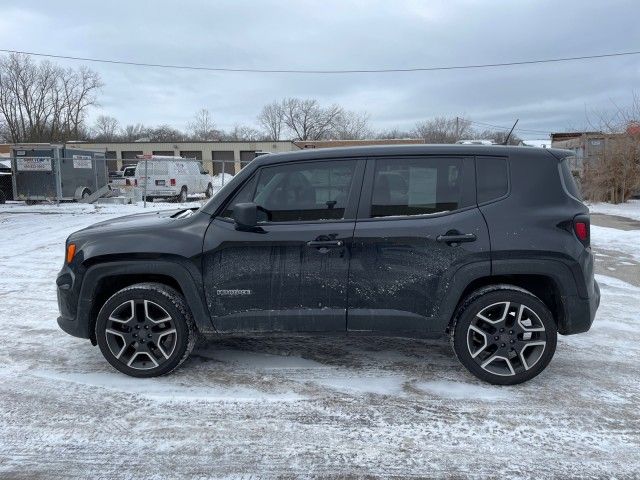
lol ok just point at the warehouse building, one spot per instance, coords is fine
(216, 156)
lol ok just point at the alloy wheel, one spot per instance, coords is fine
(506, 338)
(141, 334)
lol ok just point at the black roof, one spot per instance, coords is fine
(420, 149)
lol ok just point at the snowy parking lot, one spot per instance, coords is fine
(309, 406)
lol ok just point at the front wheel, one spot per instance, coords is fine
(504, 335)
(145, 330)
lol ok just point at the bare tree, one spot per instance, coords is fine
(271, 118)
(307, 120)
(351, 126)
(443, 130)
(165, 133)
(105, 128)
(614, 174)
(41, 102)
(202, 127)
(134, 132)
(243, 133)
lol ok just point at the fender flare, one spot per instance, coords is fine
(191, 287)
(453, 288)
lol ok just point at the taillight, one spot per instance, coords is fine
(173, 182)
(127, 183)
(581, 227)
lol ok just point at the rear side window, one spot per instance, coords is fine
(416, 186)
(568, 179)
(492, 178)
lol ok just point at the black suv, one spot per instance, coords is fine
(488, 244)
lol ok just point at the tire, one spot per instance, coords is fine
(85, 193)
(162, 314)
(504, 335)
(3, 197)
(209, 192)
(182, 196)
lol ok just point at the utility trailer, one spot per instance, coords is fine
(56, 172)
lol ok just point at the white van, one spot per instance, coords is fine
(173, 177)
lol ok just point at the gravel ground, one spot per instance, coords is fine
(304, 406)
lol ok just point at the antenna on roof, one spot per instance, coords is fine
(506, 140)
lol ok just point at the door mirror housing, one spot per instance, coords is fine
(245, 215)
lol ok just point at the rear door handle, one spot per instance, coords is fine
(449, 238)
(325, 243)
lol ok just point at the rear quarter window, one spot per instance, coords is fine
(492, 175)
(568, 180)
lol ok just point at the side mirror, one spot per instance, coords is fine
(245, 215)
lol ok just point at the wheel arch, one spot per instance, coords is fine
(543, 287)
(103, 280)
(549, 280)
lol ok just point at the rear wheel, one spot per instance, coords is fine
(182, 196)
(504, 335)
(145, 330)
(86, 193)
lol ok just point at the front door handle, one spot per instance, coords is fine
(325, 243)
(456, 237)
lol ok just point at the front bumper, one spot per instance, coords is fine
(68, 293)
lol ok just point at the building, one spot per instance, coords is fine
(588, 146)
(216, 156)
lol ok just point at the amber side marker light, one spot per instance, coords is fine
(71, 251)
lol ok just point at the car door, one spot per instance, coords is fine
(417, 224)
(290, 274)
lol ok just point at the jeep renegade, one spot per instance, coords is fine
(486, 244)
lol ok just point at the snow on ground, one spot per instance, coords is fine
(301, 406)
(629, 209)
(623, 241)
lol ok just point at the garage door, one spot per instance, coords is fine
(246, 156)
(223, 159)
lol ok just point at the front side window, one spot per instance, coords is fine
(416, 186)
(299, 192)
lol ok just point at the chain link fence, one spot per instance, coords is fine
(81, 178)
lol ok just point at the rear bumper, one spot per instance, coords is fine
(164, 192)
(579, 313)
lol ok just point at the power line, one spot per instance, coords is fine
(336, 71)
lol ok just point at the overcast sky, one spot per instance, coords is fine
(340, 34)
